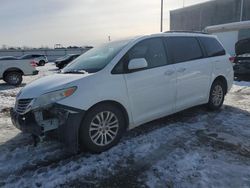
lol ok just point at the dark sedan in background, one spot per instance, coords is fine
(242, 60)
(63, 61)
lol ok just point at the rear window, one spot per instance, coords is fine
(183, 49)
(212, 46)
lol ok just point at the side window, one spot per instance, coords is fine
(212, 46)
(150, 49)
(183, 49)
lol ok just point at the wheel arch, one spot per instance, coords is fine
(223, 80)
(13, 69)
(117, 104)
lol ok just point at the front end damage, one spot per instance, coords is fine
(63, 121)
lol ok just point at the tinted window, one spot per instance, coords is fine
(184, 49)
(212, 46)
(150, 49)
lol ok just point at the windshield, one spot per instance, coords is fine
(95, 59)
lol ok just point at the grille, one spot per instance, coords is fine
(22, 105)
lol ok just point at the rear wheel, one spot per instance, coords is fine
(13, 78)
(102, 128)
(217, 94)
(41, 63)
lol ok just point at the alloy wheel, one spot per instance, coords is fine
(217, 95)
(104, 128)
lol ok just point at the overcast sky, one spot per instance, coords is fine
(80, 22)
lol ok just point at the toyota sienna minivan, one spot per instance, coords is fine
(123, 84)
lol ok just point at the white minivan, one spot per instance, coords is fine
(123, 84)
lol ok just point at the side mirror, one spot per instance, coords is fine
(137, 63)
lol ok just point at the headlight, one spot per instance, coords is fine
(52, 97)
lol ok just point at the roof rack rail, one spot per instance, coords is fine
(185, 31)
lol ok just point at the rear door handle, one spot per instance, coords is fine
(181, 69)
(169, 72)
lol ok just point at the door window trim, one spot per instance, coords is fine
(125, 68)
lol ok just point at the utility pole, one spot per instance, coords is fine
(183, 3)
(241, 10)
(161, 15)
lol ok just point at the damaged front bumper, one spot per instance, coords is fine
(63, 120)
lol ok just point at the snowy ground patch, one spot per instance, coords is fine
(193, 148)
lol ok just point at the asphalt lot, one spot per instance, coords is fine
(193, 148)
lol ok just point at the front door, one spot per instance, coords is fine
(152, 90)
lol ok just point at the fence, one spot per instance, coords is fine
(52, 54)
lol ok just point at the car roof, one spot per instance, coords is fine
(32, 54)
(182, 33)
(2, 57)
(174, 33)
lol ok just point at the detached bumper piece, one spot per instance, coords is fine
(62, 120)
(25, 123)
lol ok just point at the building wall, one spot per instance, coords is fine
(197, 17)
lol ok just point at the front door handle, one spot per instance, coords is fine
(181, 70)
(169, 72)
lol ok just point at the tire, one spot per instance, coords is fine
(217, 95)
(60, 66)
(41, 63)
(94, 140)
(13, 78)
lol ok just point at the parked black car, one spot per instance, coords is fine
(63, 61)
(39, 59)
(242, 59)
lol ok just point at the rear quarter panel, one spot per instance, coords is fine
(223, 67)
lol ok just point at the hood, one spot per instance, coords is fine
(48, 84)
(242, 47)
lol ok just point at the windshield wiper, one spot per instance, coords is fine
(77, 71)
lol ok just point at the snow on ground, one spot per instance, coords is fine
(193, 148)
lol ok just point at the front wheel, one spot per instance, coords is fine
(13, 78)
(102, 128)
(217, 95)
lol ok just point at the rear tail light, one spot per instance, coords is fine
(232, 59)
(33, 64)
